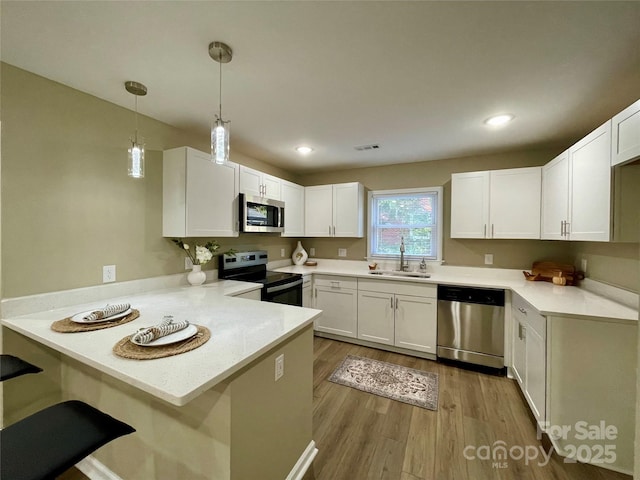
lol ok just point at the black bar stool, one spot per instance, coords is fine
(11, 367)
(49, 442)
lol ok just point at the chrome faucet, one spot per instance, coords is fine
(404, 267)
(423, 266)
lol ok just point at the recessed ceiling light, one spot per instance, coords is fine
(499, 120)
(304, 150)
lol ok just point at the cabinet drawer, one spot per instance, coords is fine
(529, 315)
(398, 287)
(335, 281)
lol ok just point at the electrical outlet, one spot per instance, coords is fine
(488, 258)
(583, 265)
(108, 273)
(188, 264)
(279, 366)
(282, 252)
(342, 252)
(312, 252)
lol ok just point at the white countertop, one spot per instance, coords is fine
(241, 331)
(545, 297)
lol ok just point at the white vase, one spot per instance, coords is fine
(196, 276)
(299, 255)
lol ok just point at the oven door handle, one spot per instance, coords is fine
(286, 286)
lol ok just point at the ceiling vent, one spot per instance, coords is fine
(362, 148)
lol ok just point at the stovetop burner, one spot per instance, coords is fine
(252, 267)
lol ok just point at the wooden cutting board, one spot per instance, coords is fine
(545, 271)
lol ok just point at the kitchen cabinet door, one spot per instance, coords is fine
(519, 348)
(514, 203)
(199, 196)
(293, 198)
(259, 184)
(272, 186)
(555, 198)
(590, 176)
(469, 204)
(416, 323)
(348, 210)
(376, 317)
(318, 211)
(339, 311)
(535, 376)
(625, 135)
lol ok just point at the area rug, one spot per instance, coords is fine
(408, 385)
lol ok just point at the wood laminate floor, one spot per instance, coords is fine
(361, 436)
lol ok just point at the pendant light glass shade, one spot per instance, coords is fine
(220, 141)
(221, 53)
(135, 161)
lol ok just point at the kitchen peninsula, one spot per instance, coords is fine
(213, 412)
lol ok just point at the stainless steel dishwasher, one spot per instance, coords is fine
(471, 325)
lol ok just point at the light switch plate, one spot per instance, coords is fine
(312, 252)
(488, 258)
(282, 252)
(342, 252)
(583, 265)
(188, 264)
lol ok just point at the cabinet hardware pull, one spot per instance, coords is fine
(335, 284)
(566, 228)
(562, 228)
(522, 310)
(334, 230)
(397, 303)
(329, 230)
(492, 230)
(391, 302)
(484, 234)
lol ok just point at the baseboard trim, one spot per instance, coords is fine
(378, 346)
(304, 462)
(95, 469)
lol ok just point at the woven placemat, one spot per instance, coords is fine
(66, 325)
(127, 349)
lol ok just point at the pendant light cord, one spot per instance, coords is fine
(220, 96)
(136, 103)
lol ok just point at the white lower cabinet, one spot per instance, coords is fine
(376, 317)
(337, 297)
(398, 313)
(416, 323)
(530, 355)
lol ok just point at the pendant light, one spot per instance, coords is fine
(221, 53)
(136, 151)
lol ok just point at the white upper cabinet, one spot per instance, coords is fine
(590, 186)
(625, 131)
(334, 210)
(555, 198)
(514, 203)
(318, 211)
(469, 204)
(259, 184)
(199, 196)
(576, 190)
(496, 204)
(293, 198)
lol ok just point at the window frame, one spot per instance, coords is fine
(406, 191)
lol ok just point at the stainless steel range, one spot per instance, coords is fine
(278, 287)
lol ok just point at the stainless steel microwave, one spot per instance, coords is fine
(259, 214)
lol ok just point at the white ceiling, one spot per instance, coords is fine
(418, 78)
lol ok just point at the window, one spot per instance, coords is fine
(414, 214)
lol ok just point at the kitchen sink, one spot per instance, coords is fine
(398, 273)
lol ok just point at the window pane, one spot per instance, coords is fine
(412, 215)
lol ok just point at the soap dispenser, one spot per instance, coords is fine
(423, 266)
